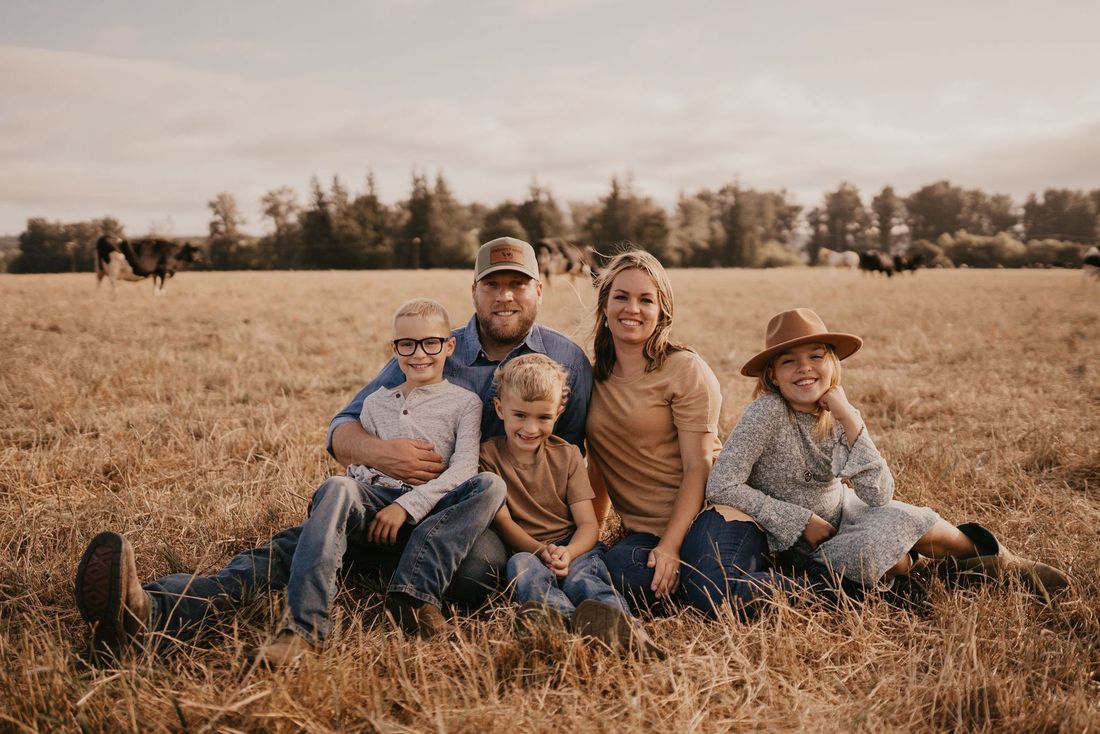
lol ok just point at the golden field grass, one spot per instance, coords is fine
(195, 423)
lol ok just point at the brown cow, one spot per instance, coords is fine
(557, 256)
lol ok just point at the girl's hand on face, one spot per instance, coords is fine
(817, 531)
(666, 571)
(835, 400)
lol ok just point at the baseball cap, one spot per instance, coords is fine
(506, 253)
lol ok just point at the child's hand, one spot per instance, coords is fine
(546, 555)
(560, 558)
(835, 400)
(383, 528)
(817, 531)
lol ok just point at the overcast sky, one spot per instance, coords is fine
(146, 110)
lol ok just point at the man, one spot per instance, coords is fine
(506, 293)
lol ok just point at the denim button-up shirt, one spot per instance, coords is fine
(468, 367)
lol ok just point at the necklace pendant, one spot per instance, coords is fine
(807, 476)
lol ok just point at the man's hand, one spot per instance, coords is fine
(817, 531)
(408, 460)
(383, 528)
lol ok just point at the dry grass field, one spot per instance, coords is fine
(195, 424)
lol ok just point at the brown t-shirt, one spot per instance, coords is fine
(539, 493)
(633, 435)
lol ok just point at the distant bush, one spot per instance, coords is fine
(1055, 253)
(774, 254)
(931, 255)
(979, 251)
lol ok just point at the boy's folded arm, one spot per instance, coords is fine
(516, 538)
(588, 528)
(419, 501)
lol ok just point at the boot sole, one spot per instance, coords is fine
(615, 629)
(99, 589)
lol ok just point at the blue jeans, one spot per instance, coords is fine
(587, 579)
(306, 559)
(729, 562)
(626, 564)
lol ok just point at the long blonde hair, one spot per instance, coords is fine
(659, 345)
(765, 384)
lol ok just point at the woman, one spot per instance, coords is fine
(652, 427)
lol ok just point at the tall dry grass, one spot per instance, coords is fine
(194, 424)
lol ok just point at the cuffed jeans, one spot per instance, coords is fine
(532, 581)
(306, 559)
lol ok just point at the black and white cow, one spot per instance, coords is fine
(119, 259)
(1091, 266)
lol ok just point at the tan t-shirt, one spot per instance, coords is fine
(633, 435)
(539, 493)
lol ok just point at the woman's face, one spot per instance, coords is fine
(632, 309)
(803, 375)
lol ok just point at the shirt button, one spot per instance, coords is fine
(404, 412)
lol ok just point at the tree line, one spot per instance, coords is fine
(733, 226)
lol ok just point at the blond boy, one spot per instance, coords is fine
(548, 522)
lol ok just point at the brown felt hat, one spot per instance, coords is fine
(799, 326)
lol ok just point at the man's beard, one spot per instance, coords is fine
(508, 335)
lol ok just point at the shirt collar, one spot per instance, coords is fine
(471, 343)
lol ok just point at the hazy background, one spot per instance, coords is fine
(146, 111)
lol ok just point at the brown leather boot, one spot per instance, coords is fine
(616, 629)
(997, 562)
(416, 617)
(109, 594)
(287, 647)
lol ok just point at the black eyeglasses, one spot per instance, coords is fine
(431, 345)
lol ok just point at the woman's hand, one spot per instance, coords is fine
(817, 531)
(666, 571)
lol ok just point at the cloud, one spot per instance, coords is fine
(84, 135)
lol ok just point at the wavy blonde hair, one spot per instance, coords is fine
(765, 384)
(532, 377)
(659, 345)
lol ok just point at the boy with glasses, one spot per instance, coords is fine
(366, 516)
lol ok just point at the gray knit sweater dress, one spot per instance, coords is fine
(775, 471)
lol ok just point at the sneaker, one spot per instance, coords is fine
(109, 595)
(416, 617)
(287, 647)
(615, 629)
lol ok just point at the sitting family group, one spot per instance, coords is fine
(466, 473)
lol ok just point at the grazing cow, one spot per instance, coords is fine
(874, 261)
(560, 257)
(1091, 267)
(119, 259)
(833, 259)
(908, 262)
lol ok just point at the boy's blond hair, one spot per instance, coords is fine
(424, 308)
(532, 377)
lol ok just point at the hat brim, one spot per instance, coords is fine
(845, 346)
(508, 266)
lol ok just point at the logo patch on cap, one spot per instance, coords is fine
(505, 254)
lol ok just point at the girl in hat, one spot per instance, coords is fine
(800, 474)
